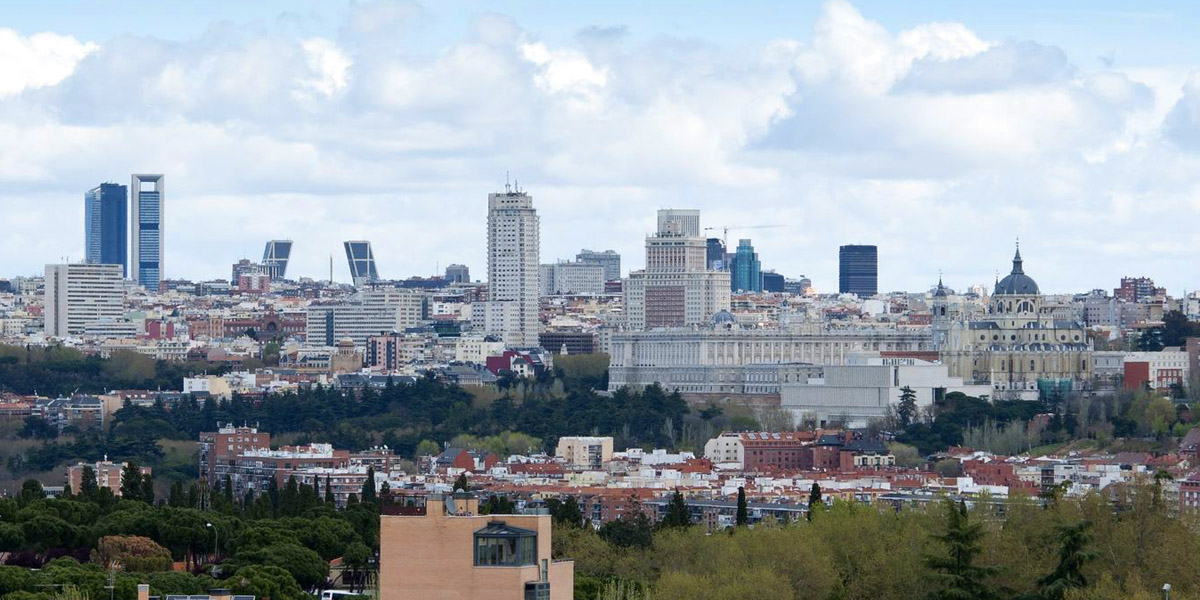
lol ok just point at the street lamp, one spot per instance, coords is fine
(1166, 591)
(216, 538)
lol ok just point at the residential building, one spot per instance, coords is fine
(1156, 370)
(569, 342)
(610, 260)
(366, 313)
(444, 549)
(676, 289)
(580, 452)
(147, 241)
(458, 274)
(225, 445)
(106, 223)
(78, 296)
(858, 270)
(745, 269)
(253, 469)
(1138, 289)
(109, 475)
(513, 268)
(361, 260)
(275, 258)
(567, 278)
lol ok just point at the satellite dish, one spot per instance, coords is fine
(450, 504)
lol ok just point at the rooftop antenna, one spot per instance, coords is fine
(331, 268)
(507, 186)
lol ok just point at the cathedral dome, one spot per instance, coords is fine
(1017, 282)
(723, 317)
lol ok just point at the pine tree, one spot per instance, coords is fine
(227, 489)
(678, 513)
(960, 577)
(147, 494)
(461, 483)
(88, 488)
(907, 410)
(329, 499)
(1073, 554)
(131, 481)
(743, 516)
(175, 496)
(368, 488)
(814, 500)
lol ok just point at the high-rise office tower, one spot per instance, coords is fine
(80, 297)
(858, 270)
(514, 242)
(275, 258)
(746, 270)
(458, 274)
(105, 218)
(676, 288)
(609, 259)
(146, 241)
(362, 262)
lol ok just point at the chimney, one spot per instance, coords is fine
(143, 591)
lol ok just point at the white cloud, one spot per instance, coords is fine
(934, 143)
(38, 60)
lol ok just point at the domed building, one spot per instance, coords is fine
(1018, 347)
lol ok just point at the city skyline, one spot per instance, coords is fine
(962, 133)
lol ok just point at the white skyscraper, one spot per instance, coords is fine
(676, 289)
(83, 298)
(514, 243)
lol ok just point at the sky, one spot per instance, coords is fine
(940, 131)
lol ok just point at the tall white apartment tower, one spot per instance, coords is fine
(81, 297)
(514, 243)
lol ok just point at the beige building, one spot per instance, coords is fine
(446, 550)
(108, 475)
(585, 452)
(675, 289)
(1018, 344)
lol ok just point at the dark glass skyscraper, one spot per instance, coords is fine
(714, 256)
(105, 214)
(362, 262)
(745, 269)
(275, 258)
(858, 270)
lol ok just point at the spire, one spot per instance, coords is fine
(1017, 268)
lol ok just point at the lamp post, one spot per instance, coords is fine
(216, 539)
(1166, 591)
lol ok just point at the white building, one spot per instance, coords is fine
(725, 359)
(364, 314)
(862, 392)
(676, 289)
(572, 278)
(476, 348)
(82, 295)
(1169, 366)
(513, 269)
(584, 452)
(726, 448)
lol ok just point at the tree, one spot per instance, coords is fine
(956, 571)
(907, 410)
(368, 488)
(131, 481)
(1072, 555)
(31, 490)
(461, 483)
(147, 493)
(814, 500)
(678, 513)
(132, 553)
(88, 488)
(743, 516)
(329, 499)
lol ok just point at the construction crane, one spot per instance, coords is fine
(725, 231)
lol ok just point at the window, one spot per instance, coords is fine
(501, 545)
